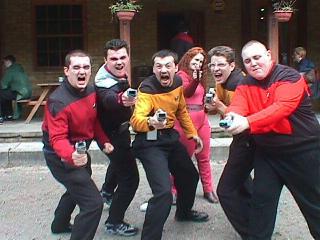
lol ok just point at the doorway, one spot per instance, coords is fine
(167, 27)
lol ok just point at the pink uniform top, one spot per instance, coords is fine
(192, 86)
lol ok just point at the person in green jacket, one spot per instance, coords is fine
(15, 85)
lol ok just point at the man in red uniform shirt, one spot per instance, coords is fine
(70, 117)
(274, 104)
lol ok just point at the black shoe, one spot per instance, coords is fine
(57, 230)
(107, 197)
(211, 197)
(121, 229)
(1, 120)
(192, 216)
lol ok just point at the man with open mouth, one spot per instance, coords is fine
(114, 111)
(160, 103)
(70, 119)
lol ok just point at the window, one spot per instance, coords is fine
(58, 29)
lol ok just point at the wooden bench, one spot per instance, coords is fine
(33, 101)
(38, 101)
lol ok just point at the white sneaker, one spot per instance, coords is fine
(144, 206)
(122, 229)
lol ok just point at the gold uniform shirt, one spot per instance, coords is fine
(152, 96)
(224, 95)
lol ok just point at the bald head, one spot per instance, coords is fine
(256, 59)
(253, 43)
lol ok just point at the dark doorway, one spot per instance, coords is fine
(292, 34)
(167, 22)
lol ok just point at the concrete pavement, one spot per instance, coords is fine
(29, 195)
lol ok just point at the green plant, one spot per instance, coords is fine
(284, 5)
(125, 5)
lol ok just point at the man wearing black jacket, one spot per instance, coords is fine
(114, 111)
(235, 184)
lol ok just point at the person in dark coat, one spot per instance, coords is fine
(15, 85)
(182, 41)
(114, 111)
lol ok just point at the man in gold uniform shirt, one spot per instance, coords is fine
(160, 103)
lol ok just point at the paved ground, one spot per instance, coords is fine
(28, 196)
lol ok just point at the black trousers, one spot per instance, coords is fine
(81, 191)
(6, 97)
(126, 172)
(159, 159)
(299, 171)
(235, 185)
(110, 182)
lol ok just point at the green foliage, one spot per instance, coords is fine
(284, 5)
(125, 5)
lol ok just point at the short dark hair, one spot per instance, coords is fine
(115, 44)
(75, 53)
(10, 58)
(165, 53)
(223, 51)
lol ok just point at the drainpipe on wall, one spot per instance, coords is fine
(273, 37)
(125, 19)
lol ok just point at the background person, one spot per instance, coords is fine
(193, 71)
(114, 112)
(304, 65)
(235, 183)
(158, 148)
(182, 41)
(15, 85)
(274, 103)
(71, 116)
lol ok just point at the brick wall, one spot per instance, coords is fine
(313, 32)
(220, 28)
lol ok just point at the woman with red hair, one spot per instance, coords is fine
(193, 71)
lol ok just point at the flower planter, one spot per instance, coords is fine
(283, 16)
(125, 15)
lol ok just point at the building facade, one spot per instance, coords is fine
(39, 32)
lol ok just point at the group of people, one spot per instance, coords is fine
(275, 132)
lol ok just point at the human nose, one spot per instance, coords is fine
(196, 65)
(215, 67)
(119, 61)
(82, 70)
(163, 69)
(253, 62)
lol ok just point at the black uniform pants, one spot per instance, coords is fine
(6, 97)
(299, 171)
(127, 176)
(235, 184)
(81, 191)
(110, 181)
(160, 158)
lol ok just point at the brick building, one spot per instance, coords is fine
(38, 32)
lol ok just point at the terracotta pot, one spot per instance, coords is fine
(126, 15)
(283, 16)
